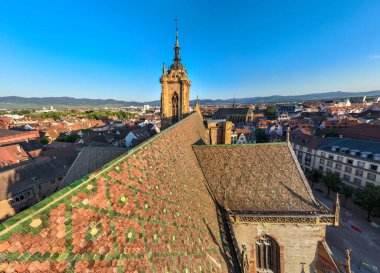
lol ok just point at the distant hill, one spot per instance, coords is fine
(12, 102)
(294, 98)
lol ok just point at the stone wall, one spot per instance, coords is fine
(298, 244)
(220, 132)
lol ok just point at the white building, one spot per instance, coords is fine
(243, 136)
(140, 135)
(356, 161)
(146, 107)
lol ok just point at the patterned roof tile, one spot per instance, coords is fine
(262, 178)
(146, 211)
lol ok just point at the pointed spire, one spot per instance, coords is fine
(197, 107)
(176, 32)
(233, 104)
(177, 58)
(164, 68)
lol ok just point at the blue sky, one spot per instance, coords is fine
(115, 49)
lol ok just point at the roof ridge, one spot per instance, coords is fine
(303, 177)
(239, 145)
(70, 167)
(339, 140)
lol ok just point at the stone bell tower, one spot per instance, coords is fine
(175, 90)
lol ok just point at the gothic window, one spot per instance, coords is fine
(267, 255)
(175, 106)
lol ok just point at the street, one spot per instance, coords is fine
(355, 233)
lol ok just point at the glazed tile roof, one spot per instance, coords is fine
(258, 178)
(12, 154)
(146, 211)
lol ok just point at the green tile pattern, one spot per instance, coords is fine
(147, 211)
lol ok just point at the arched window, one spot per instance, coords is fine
(267, 255)
(175, 107)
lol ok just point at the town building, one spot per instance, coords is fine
(360, 99)
(137, 136)
(12, 154)
(235, 115)
(242, 135)
(369, 115)
(275, 132)
(219, 131)
(12, 136)
(356, 161)
(285, 112)
(362, 131)
(25, 185)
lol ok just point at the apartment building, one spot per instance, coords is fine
(356, 161)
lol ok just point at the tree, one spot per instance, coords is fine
(368, 198)
(44, 140)
(260, 134)
(332, 182)
(347, 191)
(332, 134)
(315, 177)
(69, 138)
(21, 112)
(270, 111)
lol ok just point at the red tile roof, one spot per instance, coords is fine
(11, 136)
(244, 131)
(12, 154)
(361, 132)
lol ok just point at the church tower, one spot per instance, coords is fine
(175, 90)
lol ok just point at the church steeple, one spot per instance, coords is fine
(177, 57)
(175, 89)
